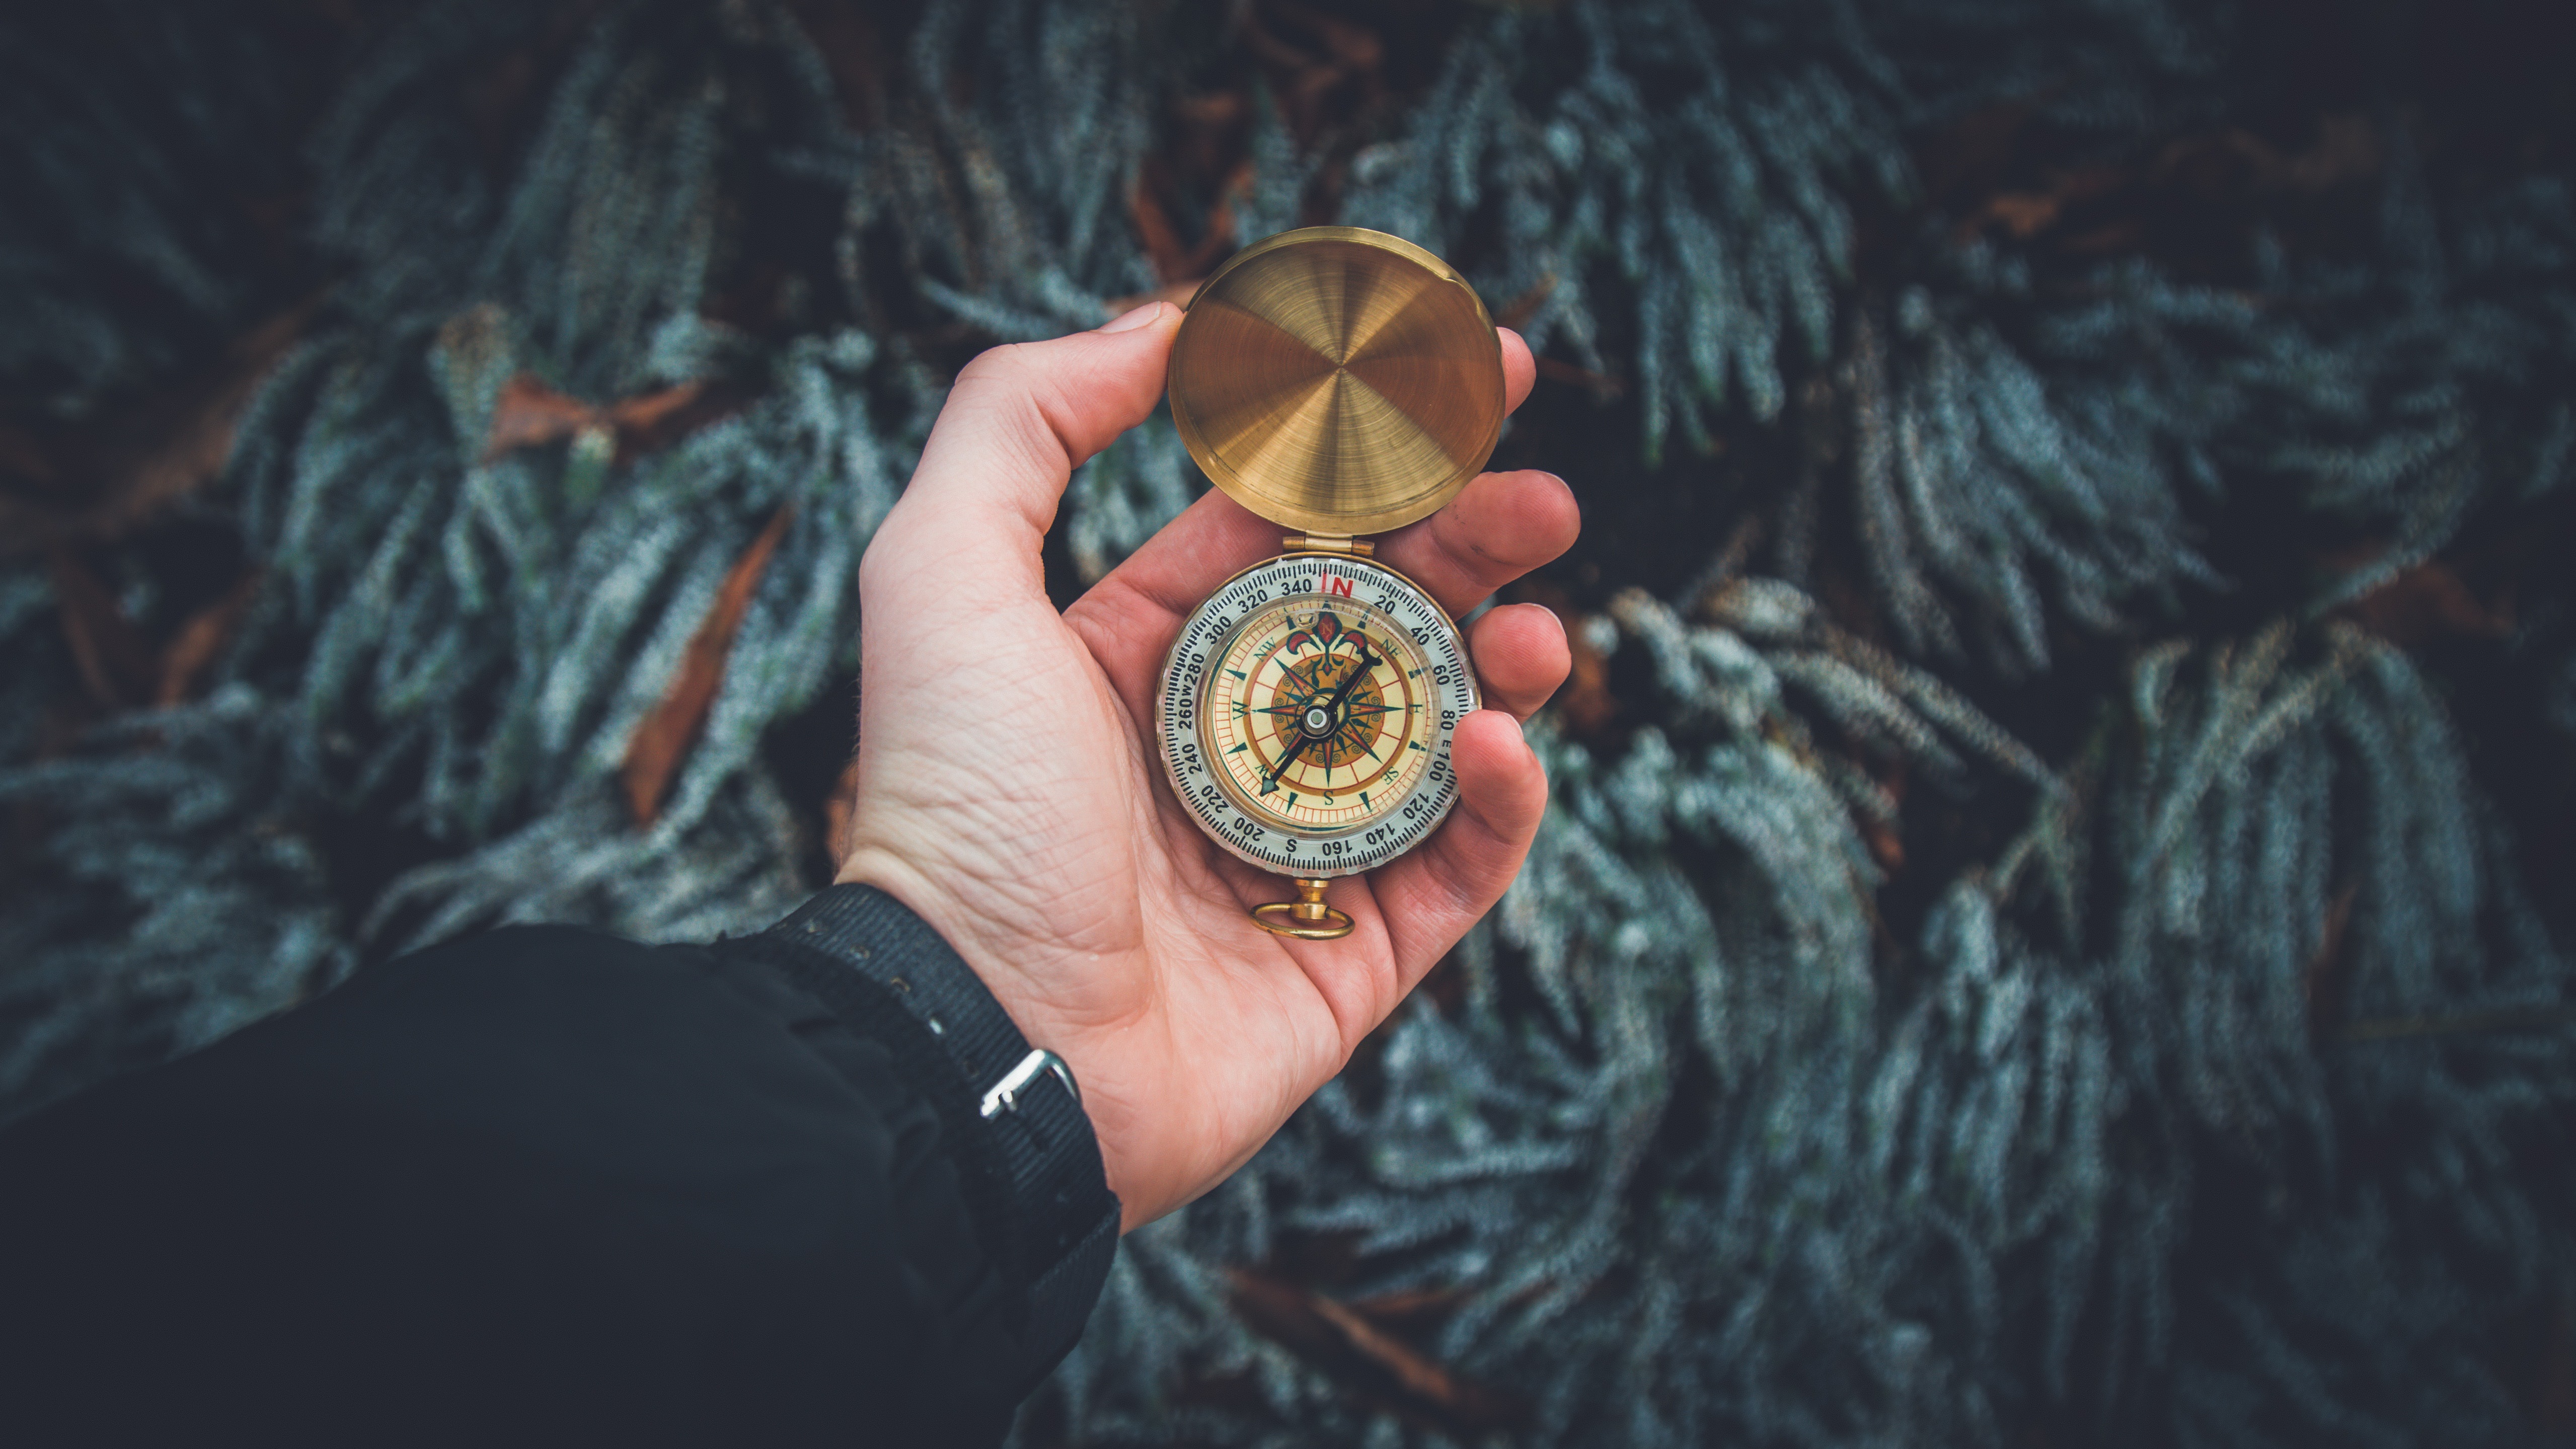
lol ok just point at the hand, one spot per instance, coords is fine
(1009, 790)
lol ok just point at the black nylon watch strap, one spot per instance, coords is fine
(1032, 1173)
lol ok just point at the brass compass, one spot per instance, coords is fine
(1338, 382)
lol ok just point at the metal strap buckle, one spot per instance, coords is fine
(1005, 1096)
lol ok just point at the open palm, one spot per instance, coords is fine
(1009, 791)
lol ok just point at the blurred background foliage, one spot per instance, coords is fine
(2051, 928)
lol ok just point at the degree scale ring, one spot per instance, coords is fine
(1325, 631)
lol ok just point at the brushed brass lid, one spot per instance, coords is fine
(1338, 380)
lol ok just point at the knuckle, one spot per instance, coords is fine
(1008, 363)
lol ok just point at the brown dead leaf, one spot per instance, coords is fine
(1154, 228)
(1212, 109)
(662, 739)
(199, 640)
(1342, 1341)
(529, 414)
(114, 662)
(1885, 845)
(119, 667)
(1418, 1375)
(1885, 840)
(2025, 214)
(650, 422)
(2234, 163)
(2427, 603)
(646, 413)
(98, 481)
(1318, 65)
(2102, 209)
(1171, 258)
(195, 451)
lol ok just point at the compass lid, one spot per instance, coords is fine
(1338, 380)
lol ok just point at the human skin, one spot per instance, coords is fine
(1008, 789)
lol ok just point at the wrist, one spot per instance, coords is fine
(1002, 961)
(1023, 1147)
(965, 931)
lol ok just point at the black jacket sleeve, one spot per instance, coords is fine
(549, 1186)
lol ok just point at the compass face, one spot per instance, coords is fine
(1307, 710)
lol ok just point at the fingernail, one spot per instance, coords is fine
(1131, 320)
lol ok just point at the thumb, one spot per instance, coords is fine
(1022, 417)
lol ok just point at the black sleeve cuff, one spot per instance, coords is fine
(1030, 1171)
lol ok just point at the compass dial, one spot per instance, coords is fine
(1307, 711)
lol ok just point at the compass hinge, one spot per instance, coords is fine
(1328, 543)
